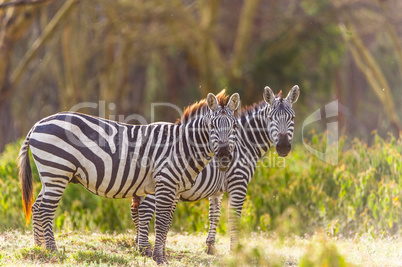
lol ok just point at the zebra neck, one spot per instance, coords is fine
(255, 132)
(196, 145)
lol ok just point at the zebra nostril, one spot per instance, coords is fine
(225, 161)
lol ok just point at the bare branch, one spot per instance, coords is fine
(374, 75)
(30, 54)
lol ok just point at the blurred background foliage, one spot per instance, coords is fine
(125, 55)
(56, 54)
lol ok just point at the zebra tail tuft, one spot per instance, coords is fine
(25, 176)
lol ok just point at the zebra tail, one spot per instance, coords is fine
(25, 175)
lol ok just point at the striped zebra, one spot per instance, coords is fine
(269, 122)
(116, 160)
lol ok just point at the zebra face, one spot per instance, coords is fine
(281, 118)
(223, 129)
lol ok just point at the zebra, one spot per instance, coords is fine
(117, 160)
(269, 122)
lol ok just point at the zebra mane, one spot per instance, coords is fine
(249, 110)
(280, 96)
(199, 108)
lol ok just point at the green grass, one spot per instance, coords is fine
(98, 249)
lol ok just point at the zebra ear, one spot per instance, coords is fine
(293, 95)
(212, 101)
(234, 102)
(269, 96)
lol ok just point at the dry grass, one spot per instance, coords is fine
(95, 249)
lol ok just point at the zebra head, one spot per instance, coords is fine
(222, 128)
(281, 118)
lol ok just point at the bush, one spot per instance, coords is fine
(361, 194)
(322, 252)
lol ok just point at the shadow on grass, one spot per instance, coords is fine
(120, 241)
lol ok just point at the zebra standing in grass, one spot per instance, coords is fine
(269, 122)
(117, 160)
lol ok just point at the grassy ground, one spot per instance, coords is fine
(95, 249)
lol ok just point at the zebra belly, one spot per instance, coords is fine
(94, 179)
(147, 188)
(207, 183)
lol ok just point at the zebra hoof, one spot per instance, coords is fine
(145, 251)
(52, 248)
(40, 242)
(211, 250)
(160, 260)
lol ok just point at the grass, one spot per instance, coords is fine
(96, 249)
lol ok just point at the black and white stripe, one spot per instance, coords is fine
(259, 127)
(117, 160)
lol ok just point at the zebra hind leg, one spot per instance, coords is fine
(50, 201)
(39, 237)
(134, 216)
(215, 202)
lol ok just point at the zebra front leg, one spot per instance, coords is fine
(146, 211)
(236, 202)
(143, 215)
(50, 201)
(165, 195)
(215, 202)
(39, 237)
(170, 223)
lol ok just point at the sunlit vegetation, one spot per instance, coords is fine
(298, 194)
(257, 249)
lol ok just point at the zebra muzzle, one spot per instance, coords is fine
(224, 157)
(283, 146)
(224, 163)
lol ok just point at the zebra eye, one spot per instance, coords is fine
(212, 126)
(235, 126)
